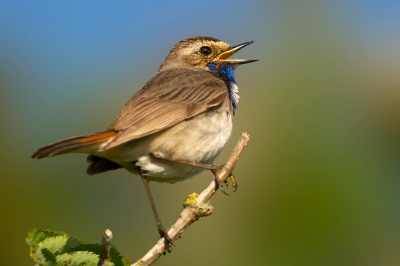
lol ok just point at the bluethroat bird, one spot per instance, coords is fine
(175, 126)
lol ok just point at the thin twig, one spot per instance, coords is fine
(105, 248)
(192, 212)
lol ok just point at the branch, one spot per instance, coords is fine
(105, 248)
(196, 206)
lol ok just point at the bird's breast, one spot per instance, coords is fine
(199, 139)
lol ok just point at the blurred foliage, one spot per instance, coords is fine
(57, 248)
(319, 181)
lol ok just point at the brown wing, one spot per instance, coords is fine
(169, 98)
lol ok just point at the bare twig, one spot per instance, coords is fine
(105, 248)
(196, 207)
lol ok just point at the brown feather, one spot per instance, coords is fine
(74, 144)
(172, 96)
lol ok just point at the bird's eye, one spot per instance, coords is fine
(205, 50)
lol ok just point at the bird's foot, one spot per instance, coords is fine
(215, 169)
(167, 240)
(220, 184)
(234, 183)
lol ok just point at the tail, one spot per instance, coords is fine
(81, 144)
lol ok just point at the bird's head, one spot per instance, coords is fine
(199, 52)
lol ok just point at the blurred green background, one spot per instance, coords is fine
(318, 183)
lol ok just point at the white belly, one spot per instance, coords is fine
(200, 139)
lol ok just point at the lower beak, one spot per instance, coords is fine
(223, 57)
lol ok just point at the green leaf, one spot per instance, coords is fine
(44, 257)
(117, 259)
(59, 244)
(115, 256)
(95, 248)
(36, 236)
(54, 248)
(78, 258)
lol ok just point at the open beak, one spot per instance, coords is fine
(223, 57)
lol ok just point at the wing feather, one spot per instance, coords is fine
(169, 98)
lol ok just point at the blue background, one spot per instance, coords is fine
(318, 183)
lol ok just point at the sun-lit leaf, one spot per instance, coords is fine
(53, 248)
(78, 258)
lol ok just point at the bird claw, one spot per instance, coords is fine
(220, 184)
(223, 191)
(234, 183)
(233, 180)
(167, 240)
(226, 183)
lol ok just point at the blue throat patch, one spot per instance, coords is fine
(228, 71)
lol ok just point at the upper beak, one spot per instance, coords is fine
(223, 57)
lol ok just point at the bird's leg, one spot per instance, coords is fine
(161, 230)
(213, 168)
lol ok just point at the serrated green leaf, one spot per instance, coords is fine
(115, 256)
(95, 248)
(78, 258)
(54, 248)
(45, 258)
(59, 244)
(117, 259)
(36, 236)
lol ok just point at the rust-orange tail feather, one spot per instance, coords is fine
(80, 144)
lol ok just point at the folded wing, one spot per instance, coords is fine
(170, 97)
